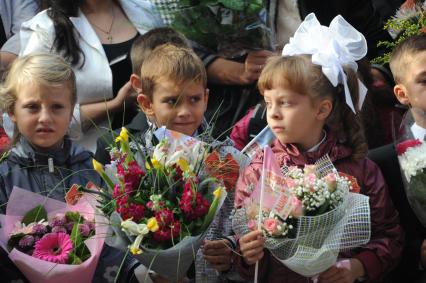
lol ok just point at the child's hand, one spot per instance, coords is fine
(251, 246)
(345, 271)
(218, 254)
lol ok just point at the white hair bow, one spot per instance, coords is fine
(331, 47)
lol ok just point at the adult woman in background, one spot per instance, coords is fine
(95, 37)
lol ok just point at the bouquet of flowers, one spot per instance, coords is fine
(411, 151)
(51, 242)
(160, 204)
(307, 215)
(409, 20)
(224, 26)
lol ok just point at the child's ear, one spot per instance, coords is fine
(136, 83)
(401, 94)
(145, 104)
(12, 116)
(324, 109)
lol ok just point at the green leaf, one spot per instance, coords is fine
(80, 249)
(14, 240)
(73, 258)
(35, 215)
(75, 236)
(209, 217)
(74, 216)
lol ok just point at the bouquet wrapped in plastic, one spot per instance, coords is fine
(50, 241)
(226, 27)
(307, 215)
(160, 204)
(411, 151)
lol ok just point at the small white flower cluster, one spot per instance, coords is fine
(337, 197)
(313, 196)
(413, 161)
(315, 192)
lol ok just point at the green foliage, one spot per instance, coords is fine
(404, 27)
(35, 215)
(80, 252)
(223, 25)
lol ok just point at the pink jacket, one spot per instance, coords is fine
(383, 251)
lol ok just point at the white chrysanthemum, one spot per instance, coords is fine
(413, 161)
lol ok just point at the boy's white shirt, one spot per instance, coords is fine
(418, 131)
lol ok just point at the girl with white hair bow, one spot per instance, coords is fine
(313, 99)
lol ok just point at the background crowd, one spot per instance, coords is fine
(106, 41)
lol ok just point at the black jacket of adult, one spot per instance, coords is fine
(359, 13)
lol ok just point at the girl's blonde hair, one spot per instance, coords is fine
(37, 68)
(299, 74)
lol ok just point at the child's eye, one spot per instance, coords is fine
(32, 107)
(284, 103)
(195, 99)
(57, 106)
(170, 101)
(268, 104)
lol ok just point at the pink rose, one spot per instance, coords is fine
(310, 179)
(330, 180)
(291, 183)
(271, 225)
(252, 224)
(297, 210)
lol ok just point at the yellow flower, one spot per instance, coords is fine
(97, 166)
(155, 163)
(124, 135)
(218, 192)
(152, 224)
(183, 165)
(135, 250)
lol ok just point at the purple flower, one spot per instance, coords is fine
(91, 225)
(84, 230)
(69, 226)
(39, 229)
(26, 242)
(59, 229)
(58, 220)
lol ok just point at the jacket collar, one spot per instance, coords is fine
(25, 153)
(289, 154)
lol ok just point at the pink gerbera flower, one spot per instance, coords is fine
(53, 247)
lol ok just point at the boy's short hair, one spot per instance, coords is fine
(144, 44)
(171, 63)
(403, 55)
(39, 68)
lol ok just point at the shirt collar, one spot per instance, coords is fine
(418, 132)
(315, 147)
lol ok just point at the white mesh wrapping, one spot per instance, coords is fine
(320, 238)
